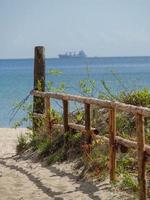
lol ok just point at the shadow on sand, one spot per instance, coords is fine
(87, 188)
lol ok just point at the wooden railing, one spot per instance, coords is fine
(143, 150)
(41, 106)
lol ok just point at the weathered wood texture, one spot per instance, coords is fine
(141, 156)
(65, 115)
(87, 132)
(119, 140)
(79, 127)
(47, 116)
(87, 117)
(39, 79)
(94, 101)
(39, 84)
(112, 143)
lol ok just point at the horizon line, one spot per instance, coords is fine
(30, 58)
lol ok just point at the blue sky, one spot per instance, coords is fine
(100, 27)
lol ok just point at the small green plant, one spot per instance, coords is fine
(79, 116)
(34, 140)
(107, 93)
(56, 117)
(53, 159)
(99, 157)
(125, 162)
(74, 139)
(27, 117)
(52, 86)
(129, 182)
(55, 72)
(22, 143)
(125, 124)
(44, 146)
(96, 162)
(87, 87)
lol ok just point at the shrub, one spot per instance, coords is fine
(22, 143)
(44, 146)
(125, 162)
(129, 182)
(125, 124)
(137, 97)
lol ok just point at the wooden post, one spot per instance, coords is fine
(112, 143)
(87, 117)
(65, 115)
(47, 116)
(141, 156)
(88, 137)
(39, 83)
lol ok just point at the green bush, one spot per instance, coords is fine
(44, 146)
(73, 139)
(137, 97)
(125, 124)
(125, 162)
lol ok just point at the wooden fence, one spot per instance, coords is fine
(140, 113)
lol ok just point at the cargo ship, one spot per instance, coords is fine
(80, 54)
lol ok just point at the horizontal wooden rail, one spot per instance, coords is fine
(113, 141)
(119, 140)
(101, 103)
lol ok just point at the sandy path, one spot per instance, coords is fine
(21, 179)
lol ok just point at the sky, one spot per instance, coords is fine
(99, 27)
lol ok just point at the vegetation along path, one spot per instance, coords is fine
(21, 178)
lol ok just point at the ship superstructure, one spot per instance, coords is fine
(80, 54)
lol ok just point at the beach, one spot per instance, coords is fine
(23, 178)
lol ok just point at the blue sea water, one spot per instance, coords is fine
(16, 77)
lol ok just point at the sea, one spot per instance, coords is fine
(119, 73)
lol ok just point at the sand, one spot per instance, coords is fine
(23, 179)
